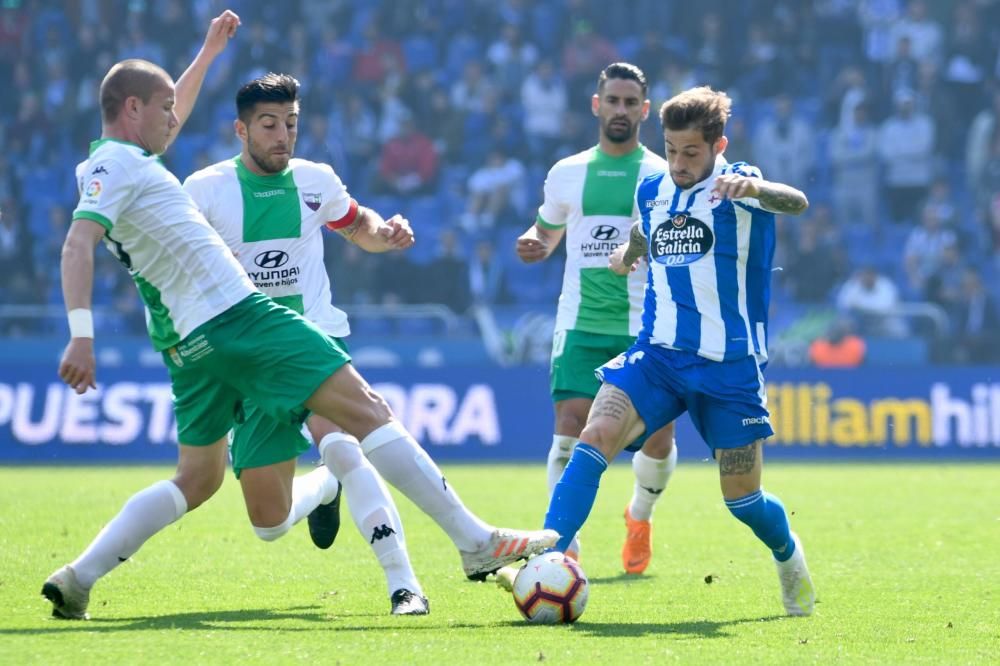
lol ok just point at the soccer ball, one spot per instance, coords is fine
(551, 588)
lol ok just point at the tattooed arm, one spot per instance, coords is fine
(623, 260)
(775, 197)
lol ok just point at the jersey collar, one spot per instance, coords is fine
(94, 145)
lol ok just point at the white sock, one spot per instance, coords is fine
(375, 515)
(308, 492)
(276, 532)
(651, 477)
(372, 509)
(401, 462)
(559, 455)
(144, 514)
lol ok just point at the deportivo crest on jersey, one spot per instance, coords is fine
(313, 199)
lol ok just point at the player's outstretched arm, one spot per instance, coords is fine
(78, 367)
(373, 234)
(220, 31)
(624, 259)
(775, 197)
(538, 242)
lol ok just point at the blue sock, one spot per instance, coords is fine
(573, 497)
(765, 515)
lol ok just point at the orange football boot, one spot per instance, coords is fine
(637, 551)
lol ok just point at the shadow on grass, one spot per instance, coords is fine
(260, 619)
(691, 629)
(249, 619)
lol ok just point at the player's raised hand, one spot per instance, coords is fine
(735, 186)
(396, 233)
(78, 368)
(530, 248)
(220, 31)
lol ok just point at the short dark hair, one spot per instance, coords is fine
(271, 87)
(623, 70)
(698, 108)
(130, 78)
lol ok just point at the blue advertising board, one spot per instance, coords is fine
(485, 413)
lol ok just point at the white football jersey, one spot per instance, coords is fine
(184, 272)
(274, 225)
(592, 195)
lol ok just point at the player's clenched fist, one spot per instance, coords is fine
(220, 31)
(735, 186)
(396, 233)
(78, 368)
(616, 261)
(531, 249)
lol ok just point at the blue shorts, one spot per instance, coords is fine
(726, 400)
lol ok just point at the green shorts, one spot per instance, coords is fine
(575, 357)
(259, 440)
(256, 349)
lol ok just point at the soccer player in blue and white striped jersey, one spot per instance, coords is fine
(706, 230)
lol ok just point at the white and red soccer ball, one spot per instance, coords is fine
(551, 589)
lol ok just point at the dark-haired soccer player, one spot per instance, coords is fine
(706, 229)
(222, 340)
(270, 209)
(589, 199)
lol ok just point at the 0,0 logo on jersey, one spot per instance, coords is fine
(93, 189)
(271, 259)
(681, 240)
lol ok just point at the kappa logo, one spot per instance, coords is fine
(271, 259)
(604, 232)
(313, 199)
(381, 532)
(99, 170)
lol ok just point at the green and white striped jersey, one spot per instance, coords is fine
(274, 225)
(592, 195)
(184, 272)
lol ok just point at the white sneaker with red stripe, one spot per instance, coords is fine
(504, 547)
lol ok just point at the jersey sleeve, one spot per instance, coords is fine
(200, 195)
(338, 208)
(553, 212)
(106, 190)
(744, 169)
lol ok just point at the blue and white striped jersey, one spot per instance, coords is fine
(709, 280)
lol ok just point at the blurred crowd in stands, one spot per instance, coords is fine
(885, 112)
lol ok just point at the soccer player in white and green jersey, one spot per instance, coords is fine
(590, 199)
(270, 210)
(222, 340)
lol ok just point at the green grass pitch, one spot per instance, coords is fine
(905, 558)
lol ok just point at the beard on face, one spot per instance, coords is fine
(706, 172)
(267, 162)
(619, 133)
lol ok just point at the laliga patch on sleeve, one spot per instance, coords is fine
(92, 191)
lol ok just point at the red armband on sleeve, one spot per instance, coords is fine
(347, 220)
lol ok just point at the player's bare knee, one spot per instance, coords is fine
(660, 443)
(571, 416)
(570, 425)
(604, 435)
(198, 484)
